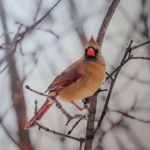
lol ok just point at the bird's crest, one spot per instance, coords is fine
(92, 43)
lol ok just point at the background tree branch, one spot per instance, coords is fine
(16, 91)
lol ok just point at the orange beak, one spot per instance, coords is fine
(91, 52)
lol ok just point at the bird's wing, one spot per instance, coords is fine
(68, 77)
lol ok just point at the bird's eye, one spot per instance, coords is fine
(86, 50)
(96, 51)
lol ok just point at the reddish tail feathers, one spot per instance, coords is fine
(40, 114)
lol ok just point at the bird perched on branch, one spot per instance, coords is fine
(79, 81)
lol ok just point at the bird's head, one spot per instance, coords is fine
(92, 50)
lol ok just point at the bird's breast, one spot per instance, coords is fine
(94, 76)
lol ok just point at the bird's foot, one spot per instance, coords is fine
(58, 105)
(85, 102)
(78, 107)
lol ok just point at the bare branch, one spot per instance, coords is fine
(130, 116)
(92, 111)
(58, 133)
(49, 31)
(41, 19)
(19, 36)
(54, 132)
(141, 57)
(8, 134)
(81, 143)
(5, 129)
(106, 21)
(132, 48)
(111, 87)
(115, 70)
(37, 9)
(69, 117)
(137, 46)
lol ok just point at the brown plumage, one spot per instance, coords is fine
(80, 80)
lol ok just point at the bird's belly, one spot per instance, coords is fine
(80, 90)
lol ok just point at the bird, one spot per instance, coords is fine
(77, 82)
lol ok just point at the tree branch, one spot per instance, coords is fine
(92, 111)
(9, 135)
(111, 87)
(137, 46)
(125, 114)
(106, 22)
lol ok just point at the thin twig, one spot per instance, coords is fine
(42, 18)
(121, 65)
(81, 143)
(141, 57)
(111, 88)
(127, 56)
(130, 116)
(19, 36)
(69, 117)
(37, 9)
(8, 134)
(137, 46)
(46, 30)
(5, 129)
(79, 120)
(58, 133)
(6, 112)
(115, 70)
(7, 65)
(10, 53)
(132, 48)
(49, 130)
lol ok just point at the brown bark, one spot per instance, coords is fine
(91, 117)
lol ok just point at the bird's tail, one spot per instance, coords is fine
(40, 113)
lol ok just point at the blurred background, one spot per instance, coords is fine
(51, 47)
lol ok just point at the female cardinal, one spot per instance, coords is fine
(79, 81)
